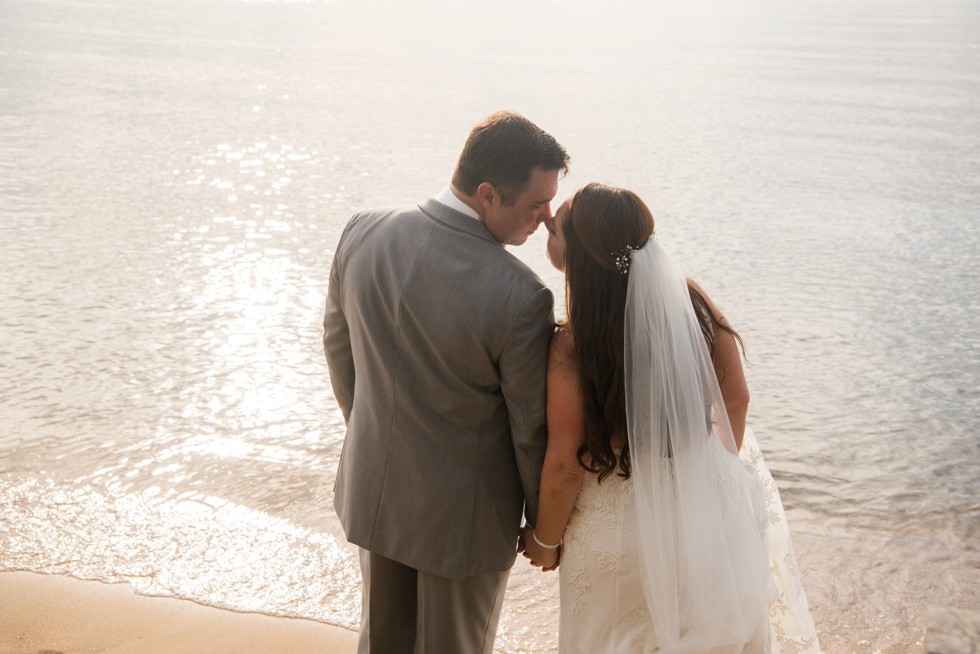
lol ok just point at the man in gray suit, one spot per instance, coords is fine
(437, 341)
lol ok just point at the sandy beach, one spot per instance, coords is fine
(61, 615)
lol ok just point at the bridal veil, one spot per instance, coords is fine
(700, 513)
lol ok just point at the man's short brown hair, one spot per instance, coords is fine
(504, 149)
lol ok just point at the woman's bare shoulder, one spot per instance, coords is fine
(712, 307)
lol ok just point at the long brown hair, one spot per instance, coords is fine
(602, 224)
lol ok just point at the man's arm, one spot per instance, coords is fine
(336, 340)
(523, 376)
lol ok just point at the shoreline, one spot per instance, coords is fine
(58, 614)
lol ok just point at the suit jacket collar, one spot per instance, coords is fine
(456, 220)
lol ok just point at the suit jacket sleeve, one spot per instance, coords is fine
(523, 374)
(336, 338)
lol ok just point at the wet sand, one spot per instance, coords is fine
(48, 614)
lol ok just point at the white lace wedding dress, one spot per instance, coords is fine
(602, 605)
(793, 631)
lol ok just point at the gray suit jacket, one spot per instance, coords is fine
(437, 342)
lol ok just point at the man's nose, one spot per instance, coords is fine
(545, 213)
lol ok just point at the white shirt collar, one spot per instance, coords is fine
(448, 198)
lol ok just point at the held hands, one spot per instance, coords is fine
(540, 557)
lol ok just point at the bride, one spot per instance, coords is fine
(668, 541)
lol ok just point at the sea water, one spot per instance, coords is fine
(175, 175)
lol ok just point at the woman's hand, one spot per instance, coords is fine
(545, 558)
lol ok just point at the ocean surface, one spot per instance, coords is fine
(174, 175)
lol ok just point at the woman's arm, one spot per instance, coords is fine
(562, 474)
(731, 378)
(727, 360)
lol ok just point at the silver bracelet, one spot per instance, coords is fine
(534, 535)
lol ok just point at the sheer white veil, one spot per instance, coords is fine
(700, 514)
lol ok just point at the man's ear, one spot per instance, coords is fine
(485, 193)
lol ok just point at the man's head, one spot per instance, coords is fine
(510, 167)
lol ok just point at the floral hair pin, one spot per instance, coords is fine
(623, 258)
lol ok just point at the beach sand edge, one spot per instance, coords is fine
(57, 614)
